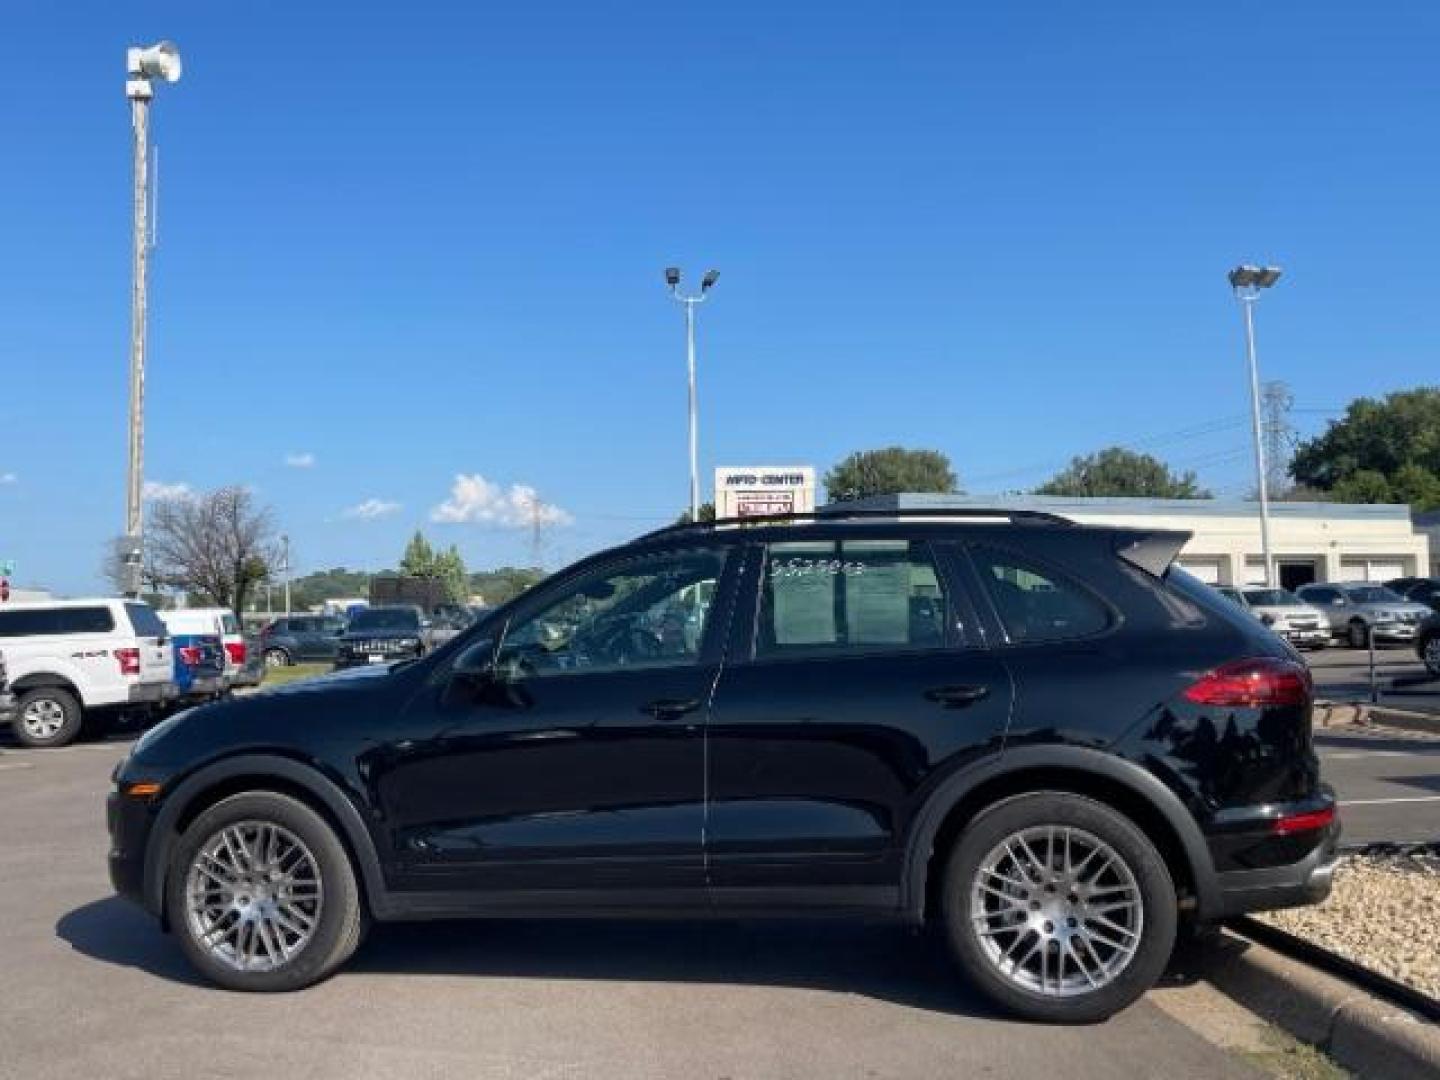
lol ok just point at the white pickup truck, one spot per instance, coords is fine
(74, 662)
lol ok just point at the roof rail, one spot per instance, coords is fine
(966, 513)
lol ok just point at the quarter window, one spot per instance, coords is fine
(849, 596)
(1036, 604)
(651, 612)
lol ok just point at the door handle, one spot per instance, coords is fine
(957, 697)
(670, 708)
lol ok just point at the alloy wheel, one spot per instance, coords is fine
(253, 896)
(1057, 911)
(42, 719)
(1432, 655)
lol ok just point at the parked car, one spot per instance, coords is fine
(1422, 590)
(1047, 738)
(301, 639)
(199, 654)
(74, 662)
(1301, 624)
(222, 621)
(1427, 644)
(252, 672)
(7, 699)
(1355, 610)
(382, 635)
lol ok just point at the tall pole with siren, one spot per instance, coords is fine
(142, 66)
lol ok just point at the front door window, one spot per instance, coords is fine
(651, 612)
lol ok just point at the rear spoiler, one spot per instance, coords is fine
(1151, 551)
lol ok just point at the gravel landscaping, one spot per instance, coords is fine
(1383, 914)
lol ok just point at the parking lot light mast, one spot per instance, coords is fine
(672, 279)
(1247, 281)
(142, 67)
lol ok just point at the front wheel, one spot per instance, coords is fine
(1059, 908)
(1430, 653)
(262, 894)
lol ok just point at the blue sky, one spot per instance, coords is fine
(424, 241)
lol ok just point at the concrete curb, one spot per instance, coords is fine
(1363, 1033)
(1402, 718)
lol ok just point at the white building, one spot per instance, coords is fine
(1309, 541)
(1428, 524)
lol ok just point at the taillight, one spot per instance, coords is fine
(1255, 683)
(129, 661)
(236, 651)
(1306, 822)
(190, 655)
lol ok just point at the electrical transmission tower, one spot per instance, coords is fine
(1275, 403)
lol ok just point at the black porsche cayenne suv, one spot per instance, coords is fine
(1041, 736)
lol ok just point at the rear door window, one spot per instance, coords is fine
(834, 597)
(1038, 603)
(27, 623)
(84, 620)
(145, 622)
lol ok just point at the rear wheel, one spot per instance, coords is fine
(262, 894)
(277, 658)
(1058, 907)
(47, 716)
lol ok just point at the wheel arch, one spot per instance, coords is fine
(40, 680)
(1118, 783)
(261, 772)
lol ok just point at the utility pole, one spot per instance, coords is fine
(285, 545)
(1247, 281)
(535, 530)
(160, 61)
(672, 279)
(1275, 404)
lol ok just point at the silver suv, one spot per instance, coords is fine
(1358, 609)
(1303, 625)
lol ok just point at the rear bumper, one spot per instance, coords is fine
(151, 693)
(1293, 885)
(205, 686)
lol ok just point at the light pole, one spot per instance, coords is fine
(285, 543)
(672, 279)
(142, 67)
(1247, 281)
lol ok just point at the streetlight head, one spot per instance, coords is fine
(158, 61)
(1267, 276)
(672, 276)
(711, 276)
(1244, 276)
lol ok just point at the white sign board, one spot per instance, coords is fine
(756, 490)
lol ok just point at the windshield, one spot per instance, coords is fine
(1374, 594)
(373, 619)
(1273, 598)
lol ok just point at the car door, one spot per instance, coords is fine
(576, 763)
(851, 684)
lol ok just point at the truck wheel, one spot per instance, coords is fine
(1058, 907)
(1359, 635)
(277, 658)
(47, 716)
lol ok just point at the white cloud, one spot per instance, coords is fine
(159, 490)
(9, 478)
(304, 460)
(477, 500)
(371, 508)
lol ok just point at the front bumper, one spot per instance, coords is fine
(1396, 632)
(129, 821)
(1305, 637)
(7, 706)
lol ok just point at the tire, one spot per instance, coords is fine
(1359, 635)
(976, 905)
(277, 658)
(47, 716)
(323, 889)
(1430, 654)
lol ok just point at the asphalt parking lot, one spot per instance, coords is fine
(94, 989)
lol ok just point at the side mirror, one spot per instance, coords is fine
(425, 624)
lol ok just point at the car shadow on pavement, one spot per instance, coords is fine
(118, 932)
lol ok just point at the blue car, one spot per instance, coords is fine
(199, 655)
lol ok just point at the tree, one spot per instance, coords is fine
(1116, 471)
(707, 513)
(419, 558)
(218, 545)
(889, 471)
(1395, 440)
(505, 583)
(450, 569)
